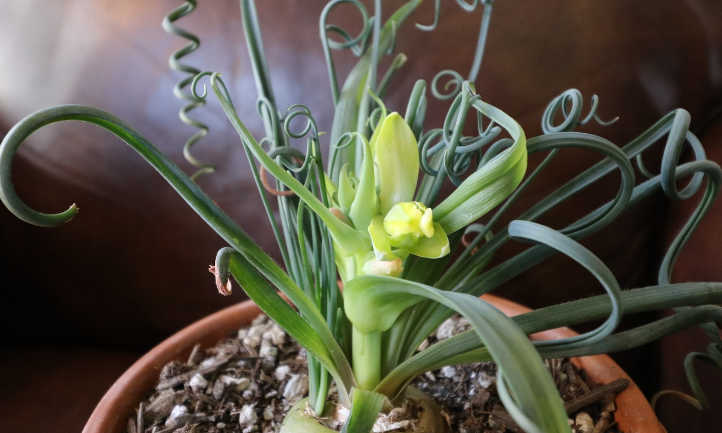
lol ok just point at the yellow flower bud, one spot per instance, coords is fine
(410, 227)
(407, 222)
(427, 223)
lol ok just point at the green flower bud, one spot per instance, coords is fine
(396, 157)
(390, 268)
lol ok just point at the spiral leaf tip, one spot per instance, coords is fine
(189, 97)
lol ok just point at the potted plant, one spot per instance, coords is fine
(407, 255)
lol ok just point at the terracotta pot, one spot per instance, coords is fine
(633, 415)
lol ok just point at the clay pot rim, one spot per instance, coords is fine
(633, 415)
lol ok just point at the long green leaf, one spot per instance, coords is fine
(569, 247)
(279, 310)
(644, 334)
(529, 381)
(491, 183)
(467, 347)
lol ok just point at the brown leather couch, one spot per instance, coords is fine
(82, 301)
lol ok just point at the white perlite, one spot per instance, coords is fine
(267, 335)
(275, 335)
(247, 418)
(239, 383)
(342, 413)
(392, 421)
(382, 426)
(282, 371)
(218, 388)
(446, 329)
(254, 334)
(389, 422)
(198, 383)
(252, 341)
(451, 327)
(485, 380)
(208, 362)
(295, 388)
(177, 415)
(250, 392)
(268, 351)
(448, 371)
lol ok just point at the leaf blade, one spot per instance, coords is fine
(321, 344)
(508, 345)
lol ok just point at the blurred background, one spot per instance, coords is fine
(83, 301)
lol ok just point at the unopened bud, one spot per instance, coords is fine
(391, 268)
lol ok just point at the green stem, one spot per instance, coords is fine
(366, 349)
(256, 52)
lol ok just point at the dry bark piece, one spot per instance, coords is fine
(596, 395)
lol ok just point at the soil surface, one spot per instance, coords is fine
(248, 382)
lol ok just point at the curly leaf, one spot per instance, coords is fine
(491, 183)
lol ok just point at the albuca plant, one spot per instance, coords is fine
(376, 259)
